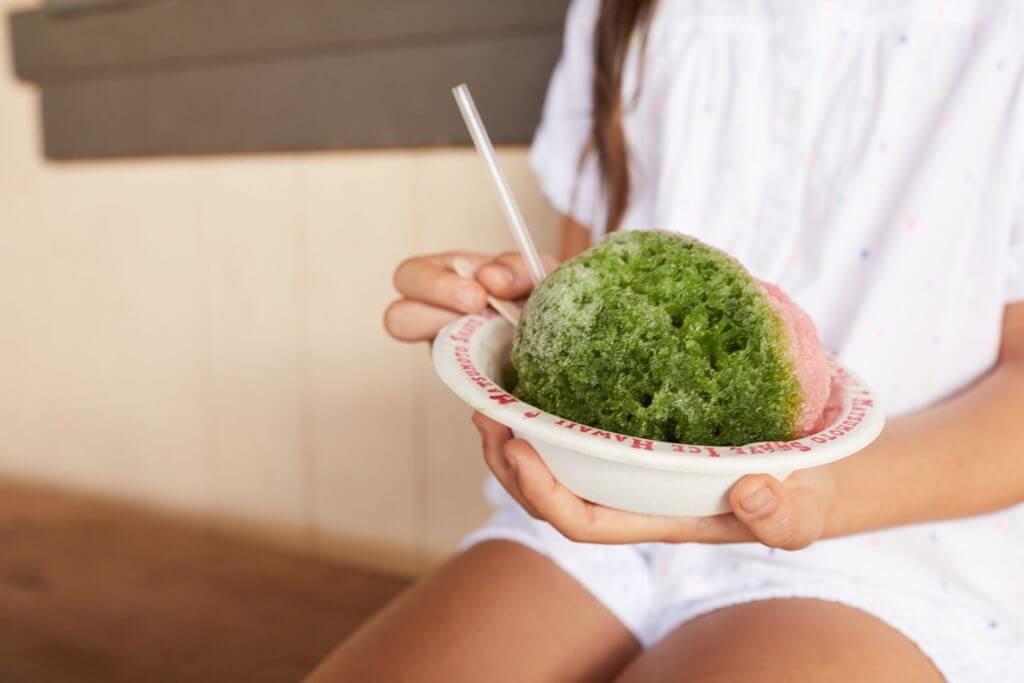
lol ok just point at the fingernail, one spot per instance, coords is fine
(507, 275)
(467, 296)
(759, 502)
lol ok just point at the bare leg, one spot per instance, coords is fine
(498, 612)
(790, 640)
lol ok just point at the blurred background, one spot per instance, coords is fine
(201, 203)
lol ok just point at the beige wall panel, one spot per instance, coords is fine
(101, 340)
(364, 408)
(252, 253)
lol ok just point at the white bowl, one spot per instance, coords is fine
(628, 473)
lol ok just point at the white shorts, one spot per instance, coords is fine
(956, 589)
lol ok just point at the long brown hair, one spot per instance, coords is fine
(616, 25)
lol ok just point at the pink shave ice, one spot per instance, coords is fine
(808, 358)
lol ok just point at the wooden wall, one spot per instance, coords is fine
(204, 335)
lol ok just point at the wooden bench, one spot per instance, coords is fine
(96, 591)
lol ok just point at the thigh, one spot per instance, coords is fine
(792, 640)
(498, 612)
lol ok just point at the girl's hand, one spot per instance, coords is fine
(790, 514)
(432, 295)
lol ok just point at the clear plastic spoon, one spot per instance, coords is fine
(508, 203)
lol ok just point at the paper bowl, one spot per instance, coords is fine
(628, 473)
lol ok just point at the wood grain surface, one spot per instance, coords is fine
(95, 591)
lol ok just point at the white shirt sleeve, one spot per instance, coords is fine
(1015, 274)
(569, 181)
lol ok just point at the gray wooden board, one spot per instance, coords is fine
(169, 35)
(217, 76)
(64, 7)
(382, 98)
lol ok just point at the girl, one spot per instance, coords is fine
(866, 156)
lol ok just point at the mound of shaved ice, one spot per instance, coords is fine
(808, 358)
(660, 336)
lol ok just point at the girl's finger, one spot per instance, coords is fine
(555, 504)
(583, 521)
(493, 436)
(772, 513)
(407, 320)
(507, 276)
(430, 280)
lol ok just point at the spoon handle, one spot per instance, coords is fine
(506, 309)
(482, 141)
